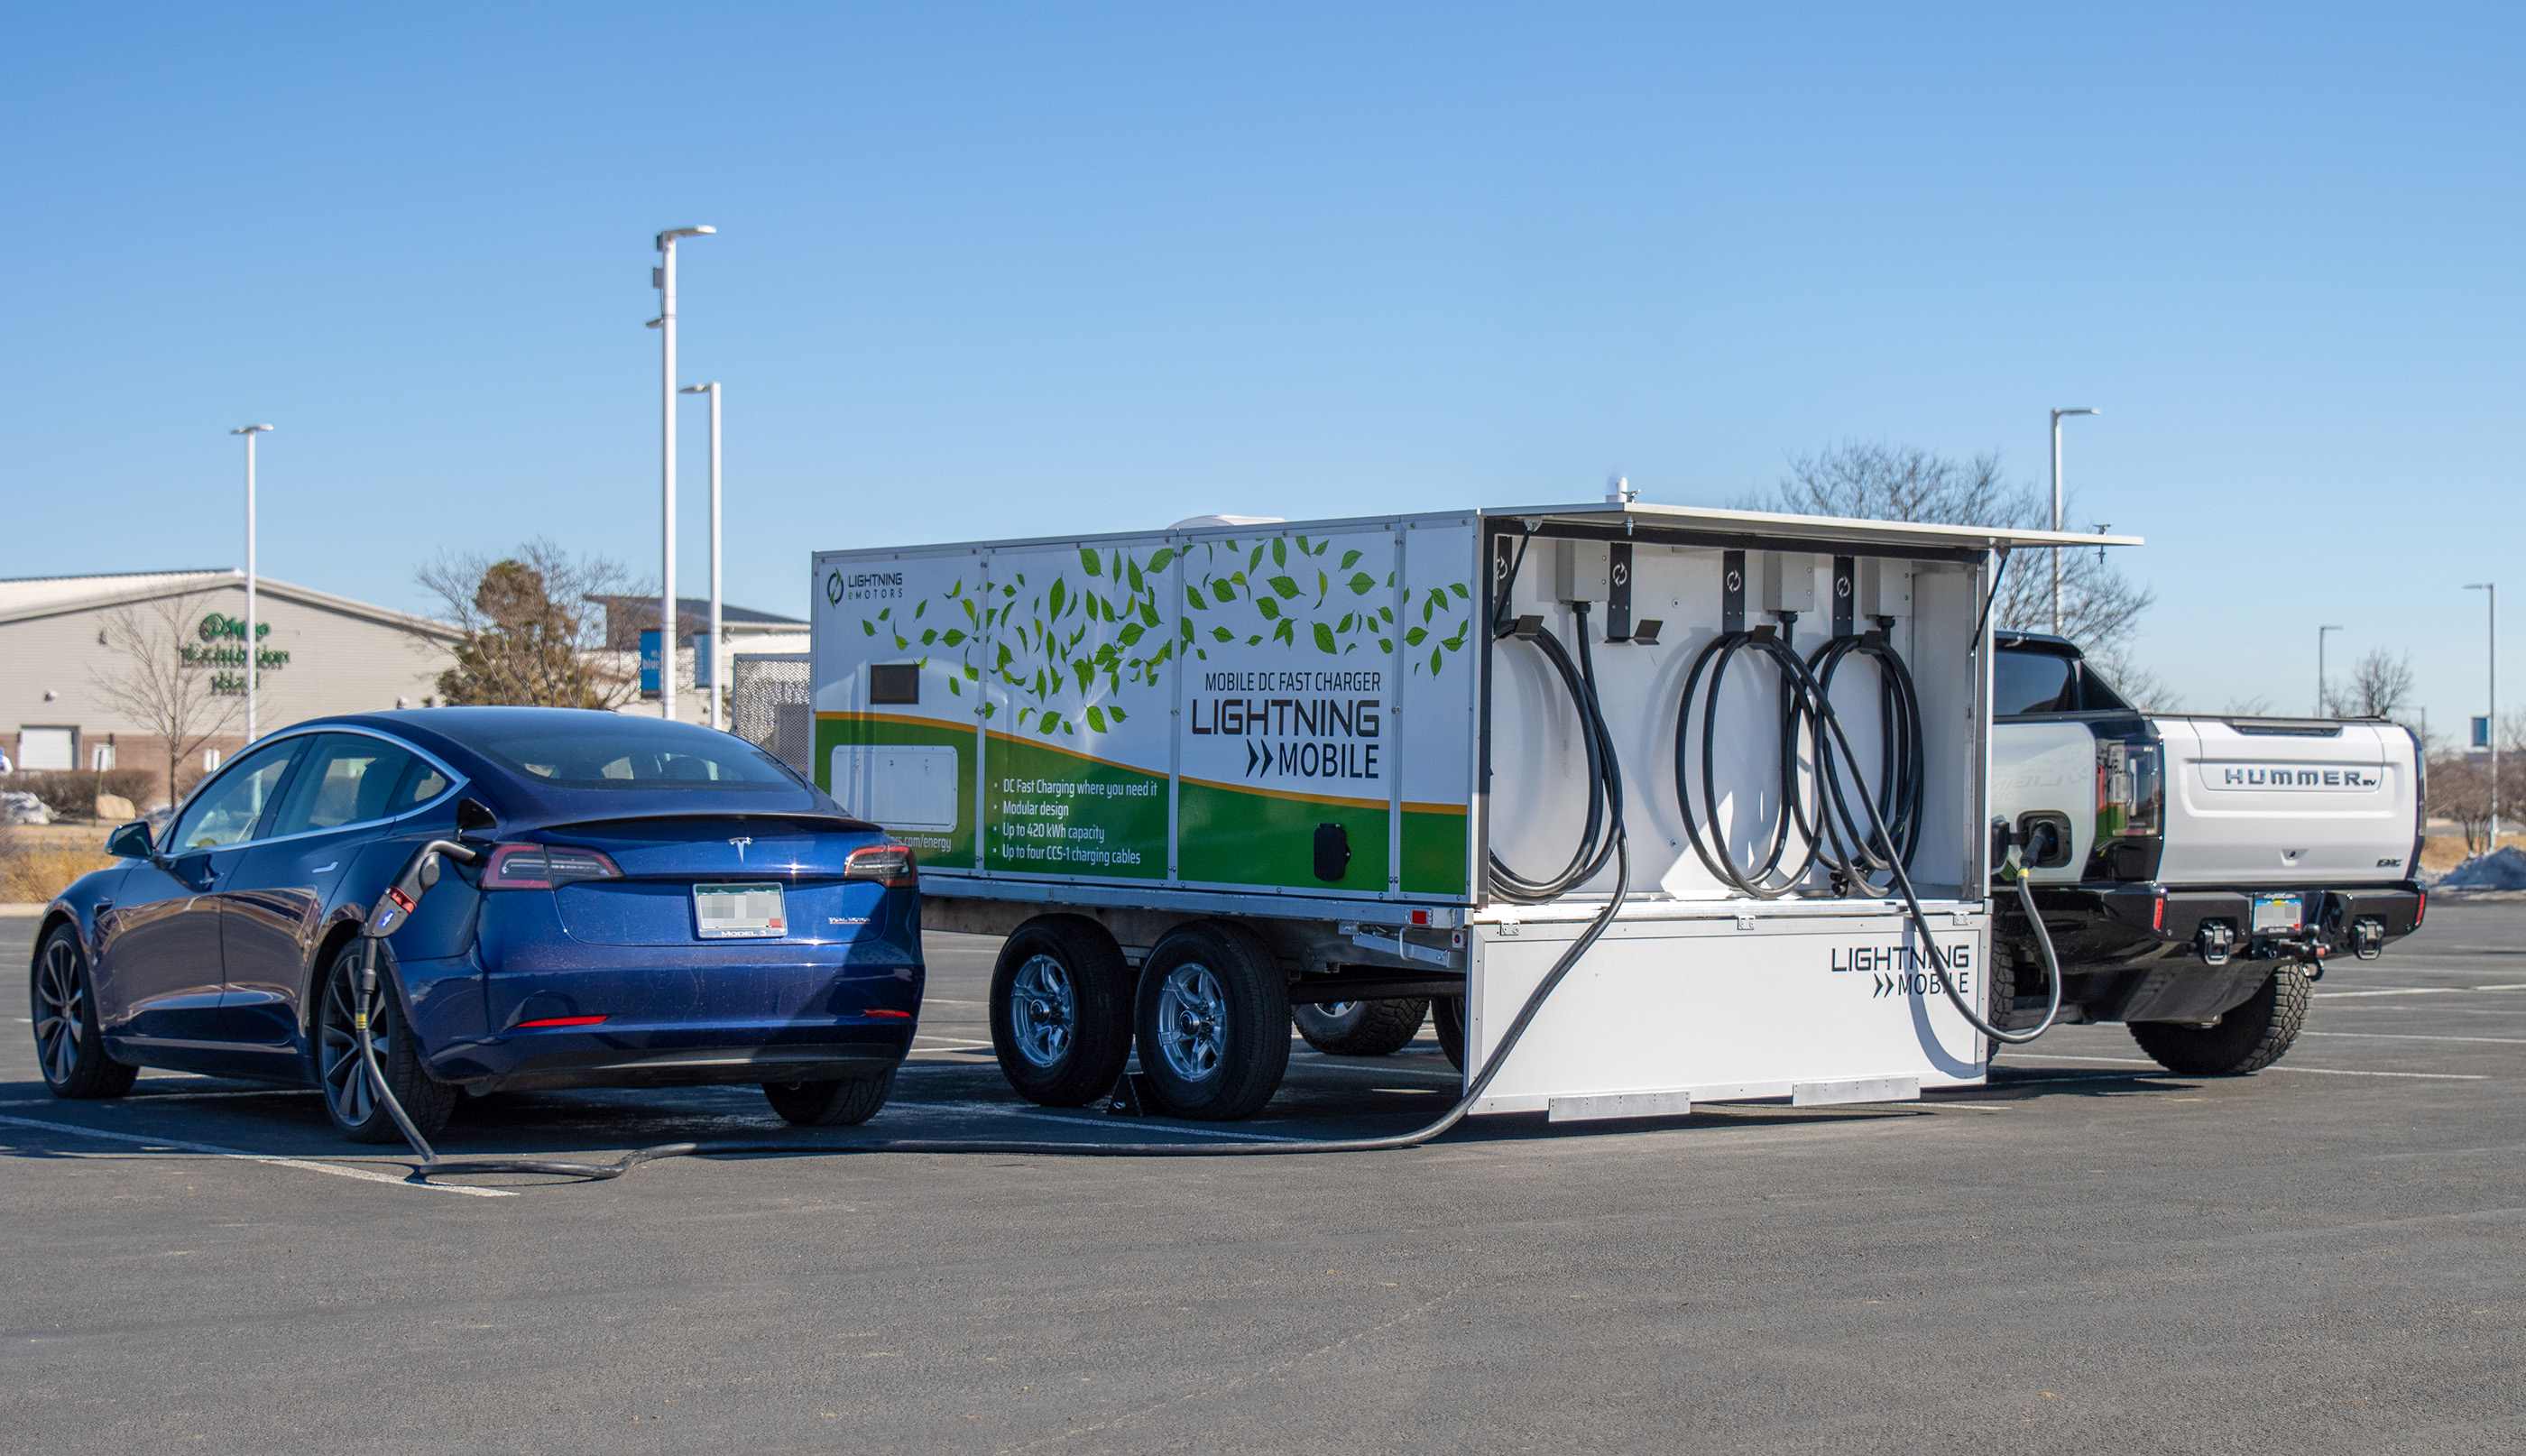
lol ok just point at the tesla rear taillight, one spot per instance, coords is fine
(544, 866)
(890, 865)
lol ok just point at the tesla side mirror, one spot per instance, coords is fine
(130, 842)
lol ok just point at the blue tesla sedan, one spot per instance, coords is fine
(652, 904)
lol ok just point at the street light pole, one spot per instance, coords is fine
(715, 656)
(2057, 508)
(669, 619)
(249, 431)
(2493, 607)
(2319, 665)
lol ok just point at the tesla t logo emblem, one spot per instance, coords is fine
(740, 843)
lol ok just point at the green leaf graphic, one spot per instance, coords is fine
(1362, 584)
(1349, 559)
(1268, 607)
(1324, 638)
(1089, 563)
(1159, 558)
(1280, 552)
(1284, 586)
(1224, 591)
(1139, 582)
(1438, 659)
(1058, 591)
(1221, 634)
(867, 628)
(1097, 718)
(1416, 636)
(1386, 645)
(920, 607)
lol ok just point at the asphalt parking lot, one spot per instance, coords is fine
(2087, 1255)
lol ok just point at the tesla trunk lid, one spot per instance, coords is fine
(664, 861)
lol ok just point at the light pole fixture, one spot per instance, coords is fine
(2330, 626)
(2056, 506)
(249, 431)
(2492, 592)
(663, 277)
(717, 657)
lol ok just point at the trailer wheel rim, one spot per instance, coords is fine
(1193, 1022)
(1043, 1010)
(1335, 1009)
(59, 1005)
(348, 1090)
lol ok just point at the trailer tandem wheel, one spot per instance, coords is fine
(1061, 1011)
(1361, 1029)
(1213, 1020)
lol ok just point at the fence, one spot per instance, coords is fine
(771, 705)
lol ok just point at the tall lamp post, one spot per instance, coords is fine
(2057, 508)
(663, 276)
(249, 431)
(2320, 682)
(2492, 589)
(710, 389)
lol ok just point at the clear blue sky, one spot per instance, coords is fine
(994, 271)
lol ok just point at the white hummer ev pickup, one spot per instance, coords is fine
(2195, 870)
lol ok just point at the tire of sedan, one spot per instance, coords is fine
(1061, 1011)
(846, 1103)
(1447, 1019)
(2248, 1038)
(1213, 1018)
(1361, 1029)
(342, 1075)
(62, 1005)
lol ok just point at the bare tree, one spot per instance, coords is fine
(150, 678)
(530, 632)
(2380, 686)
(2459, 789)
(2100, 606)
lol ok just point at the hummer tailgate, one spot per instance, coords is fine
(2287, 802)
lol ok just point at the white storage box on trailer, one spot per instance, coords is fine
(1347, 737)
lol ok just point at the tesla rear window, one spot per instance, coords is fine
(639, 755)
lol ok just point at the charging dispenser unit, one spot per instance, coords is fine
(1192, 776)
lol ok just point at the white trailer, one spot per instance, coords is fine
(1192, 776)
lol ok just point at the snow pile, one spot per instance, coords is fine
(2501, 870)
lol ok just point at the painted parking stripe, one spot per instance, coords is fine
(213, 1150)
(2316, 1070)
(1118, 1125)
(2421, 1036)
(2424, 990)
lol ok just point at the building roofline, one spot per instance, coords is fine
(217, 579)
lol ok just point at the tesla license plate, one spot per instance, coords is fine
(2277, 913)
(739, 912)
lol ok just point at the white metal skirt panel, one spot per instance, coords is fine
(1782, 1007)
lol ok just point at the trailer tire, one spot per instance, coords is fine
(2248, 1038)
(1213, 1018)
(1361, 1029)
(1064, 1044)
(1448, 1017)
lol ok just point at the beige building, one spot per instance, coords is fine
(100, 671)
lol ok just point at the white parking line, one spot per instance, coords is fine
(213, 1150)
(2418, 1036)
(2318, 1071)
(2423, 990)
(951, 1043)
(1115, 1125)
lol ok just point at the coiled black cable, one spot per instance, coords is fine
(1765, 877)
(1603, 828)
(1901, 766)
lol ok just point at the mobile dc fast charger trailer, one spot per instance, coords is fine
(1193, 776)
